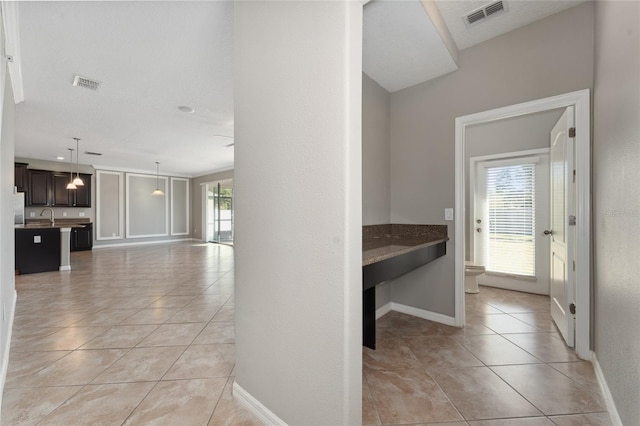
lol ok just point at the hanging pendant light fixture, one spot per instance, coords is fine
(157, 191)
(77, 181)
(71, 185)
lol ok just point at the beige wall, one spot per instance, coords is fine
(196, 199)
(546, 58)
(376, 180)
(616, 202)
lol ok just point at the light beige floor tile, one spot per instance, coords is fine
(480, 394)
(194, 313)
(409, 396)
(525, 421)
(436, 353)
(496, 350)
(77, 368)
(106, 317)
(390, 354)
(503, 323)
(173, 335)
(151, 316)
(216, 332)
(540, 320)
(172, 302)
(204, 361)
(120, 336)
(581, 372)
(543, 346)
(23, 364)
(369, 412)
(549, 390)
(29, 406)
(592, 419)
(226, 313)
(100, 404)
(68, 338)
(180, 402)
(228, 412)
(141, 364)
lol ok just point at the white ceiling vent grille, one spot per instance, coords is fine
(484, 12)
(87, 83)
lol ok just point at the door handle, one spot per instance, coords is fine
(548, 232)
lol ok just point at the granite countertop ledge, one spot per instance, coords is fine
(59, 223)
(381, 242)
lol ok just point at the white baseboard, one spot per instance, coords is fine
(7, 346)
(256, 407)
(606, 393)
(65, 268)
(383, 310)
(142, 243)
(416, 312)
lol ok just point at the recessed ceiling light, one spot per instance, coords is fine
(59, 158)
(186, 109)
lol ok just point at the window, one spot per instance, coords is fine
(510, 203)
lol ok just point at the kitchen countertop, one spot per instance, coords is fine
(59, 223)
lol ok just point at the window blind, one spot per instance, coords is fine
(510, 192)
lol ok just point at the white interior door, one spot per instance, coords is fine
(511, 209)
(562, 230)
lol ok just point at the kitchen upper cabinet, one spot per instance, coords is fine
(48, 188)
(20, 177)
(61, 196)
(82, 195)
(40, 188)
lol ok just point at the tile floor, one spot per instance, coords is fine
(508, 366)
(145, 335)
(136, 336)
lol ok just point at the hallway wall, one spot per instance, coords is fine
(616, 210)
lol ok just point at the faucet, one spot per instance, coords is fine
(52, 215)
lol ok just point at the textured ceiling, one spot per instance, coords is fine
(401, 46)
(519, 13)
(151, 58)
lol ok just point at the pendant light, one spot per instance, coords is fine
(71, 185)
(157, 191)
(77, 181)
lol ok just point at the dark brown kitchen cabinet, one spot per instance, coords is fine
(82, 195)
(40, 188)
(20, 177)
(61, 196)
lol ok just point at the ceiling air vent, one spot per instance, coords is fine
(484, 12)
(92, 153)
(87, 83)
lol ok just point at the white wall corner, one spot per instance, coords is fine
(383, 310)
(7, 347)
(255, 407)
(424, 314)
(11, 47)
(606, 393)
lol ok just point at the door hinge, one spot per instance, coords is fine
(572, 308)
(572, 220)
(572, 132)
(574, 176)
(574, 265)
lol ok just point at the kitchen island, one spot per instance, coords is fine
(43, 246)
(389, 251)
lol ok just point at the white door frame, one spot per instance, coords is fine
(580, 100)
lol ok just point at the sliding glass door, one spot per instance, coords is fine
(219, 212)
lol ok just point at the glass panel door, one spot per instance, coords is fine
(219, 212)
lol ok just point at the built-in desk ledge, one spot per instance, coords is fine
(381, 242)
(389, 251)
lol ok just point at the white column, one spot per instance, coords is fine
(65, 249)
(298, 210)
